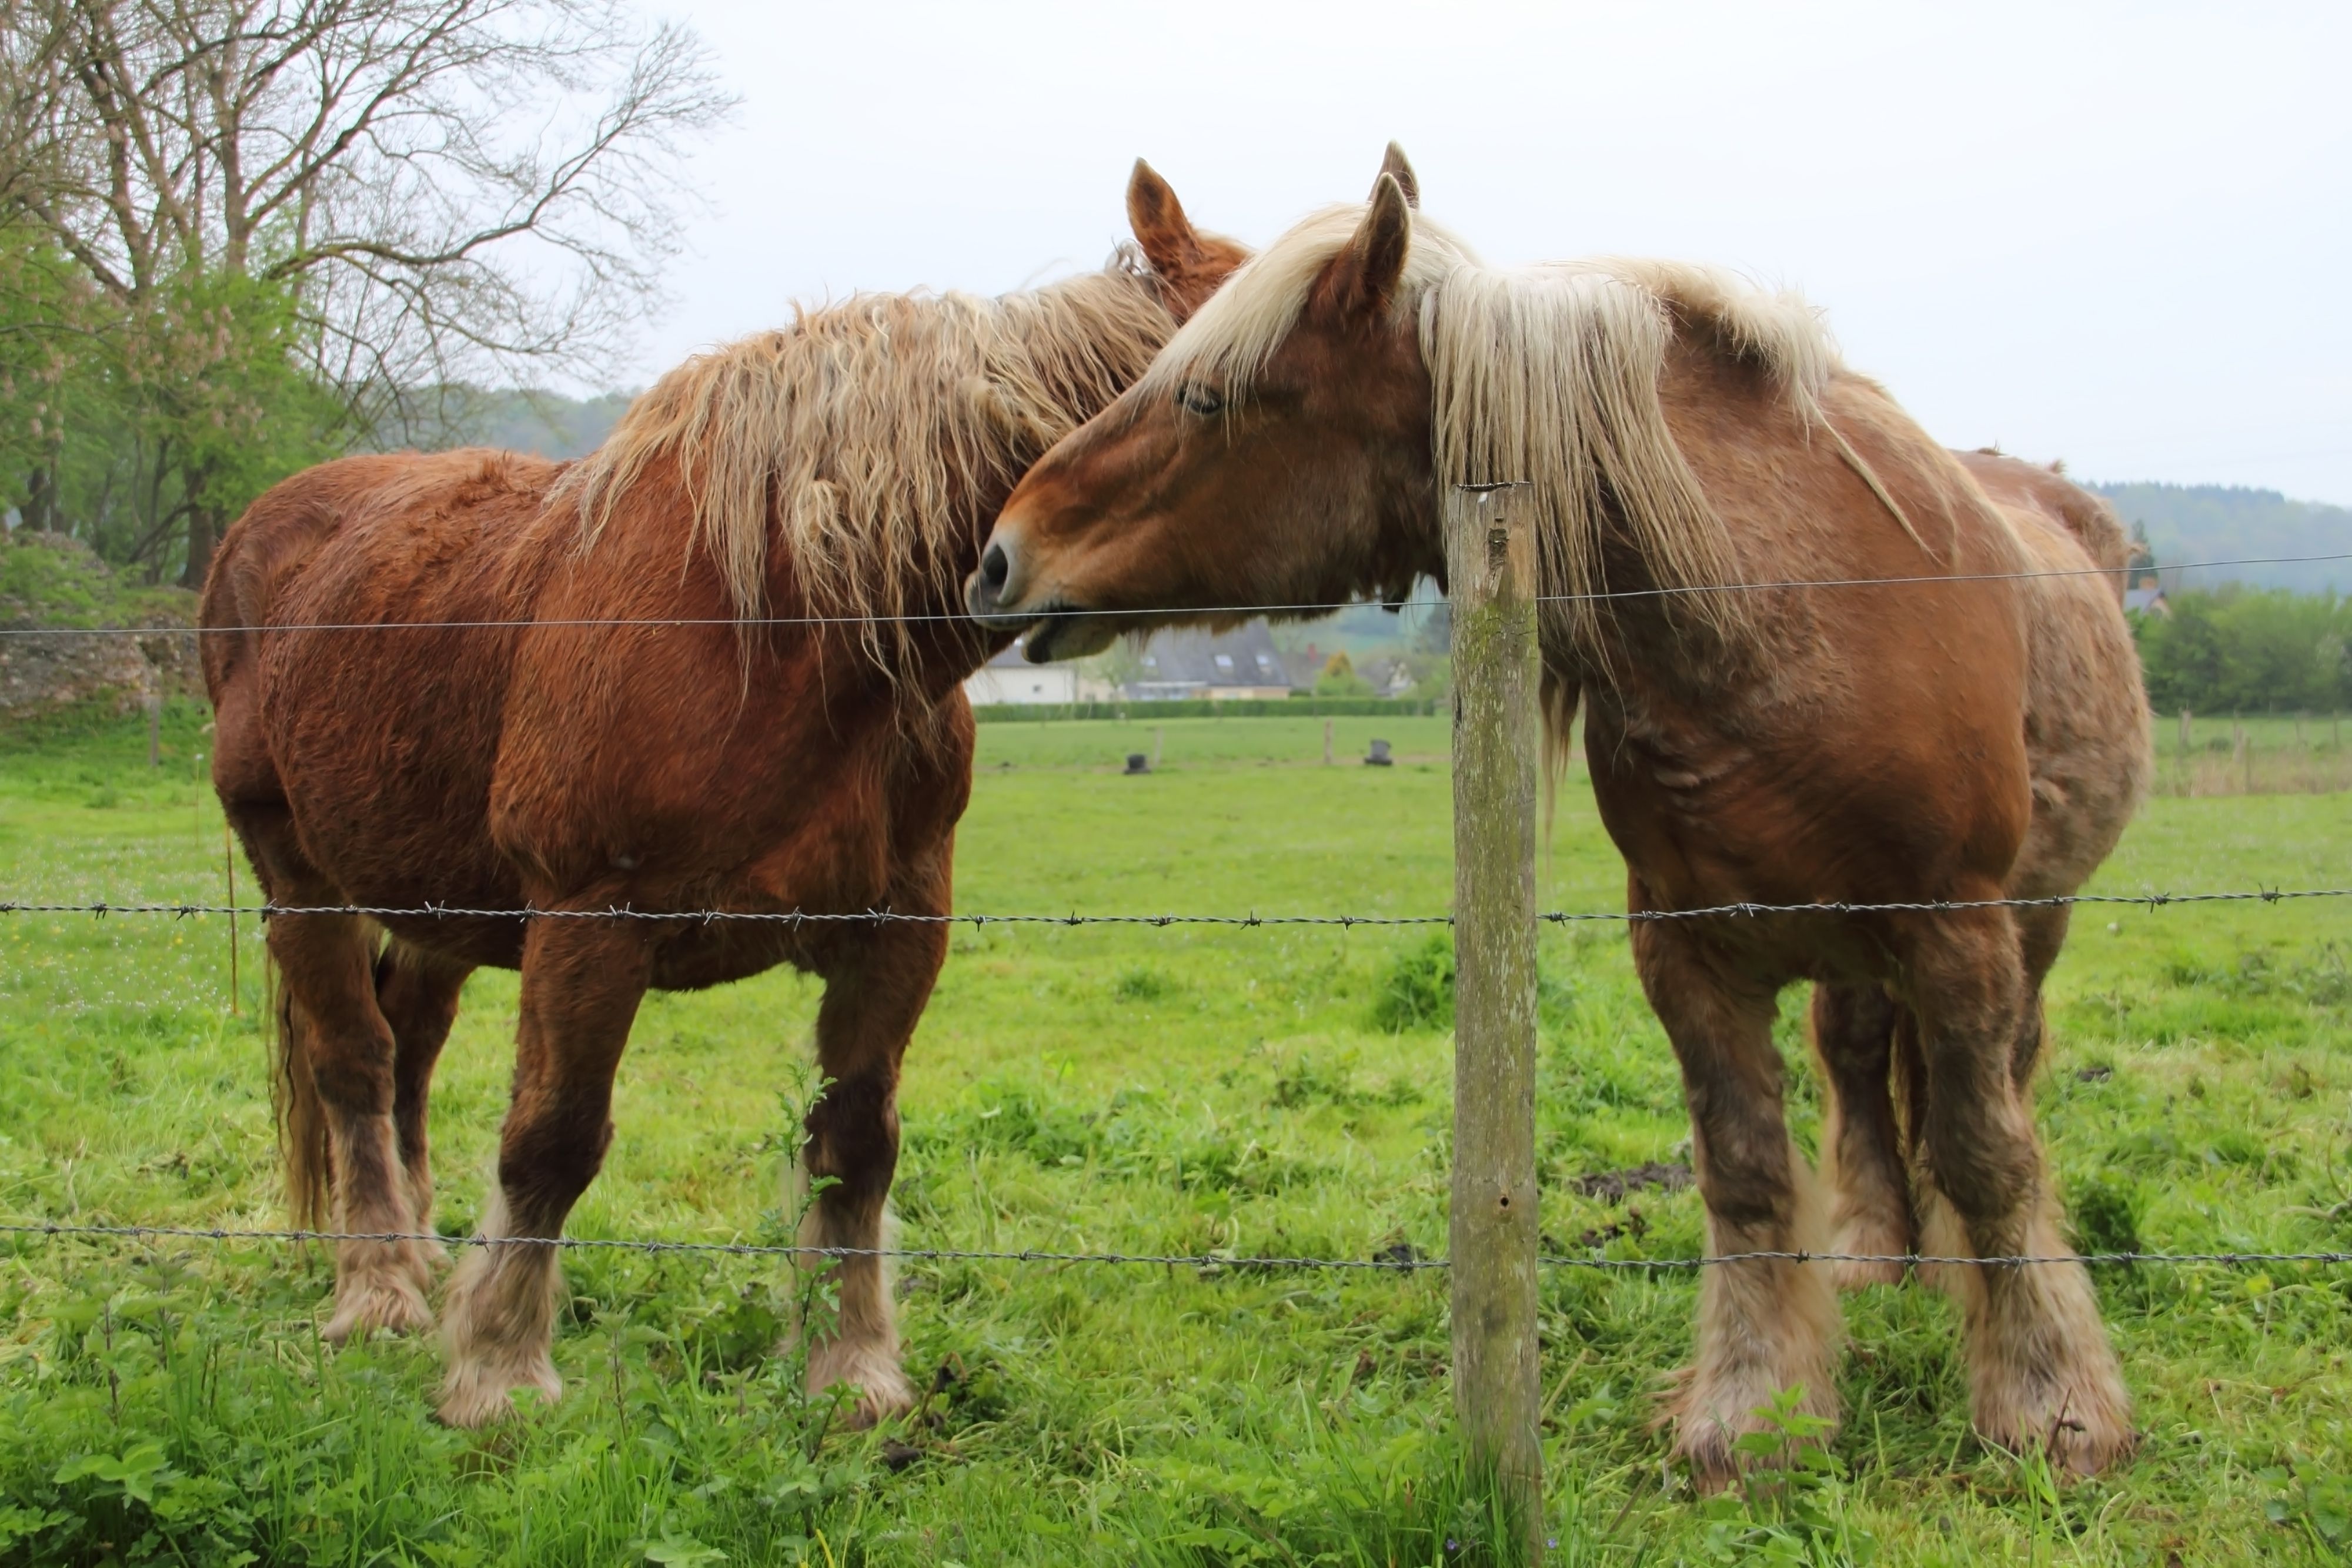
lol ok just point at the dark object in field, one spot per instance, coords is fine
(1138, 763)
(1380, 757)
(896, 1456)
(1676, 432)
(516, 736)
(1398, 1255)
(2098, 1074)
(1632, 1225)
(1612, 1187)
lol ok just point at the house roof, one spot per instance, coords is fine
(2144, 599)
(1245, 657)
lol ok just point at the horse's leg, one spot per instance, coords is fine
(417, 993)
(877, 983)
(1766, 1325)
(581, 982)
(1862, 1153)
(342, 1041)
(2040, 1369)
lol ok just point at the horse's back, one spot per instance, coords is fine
(2051, 499)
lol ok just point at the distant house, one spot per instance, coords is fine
(1223, 666)
(2148, 600)
(1387, 677)
(1010, 678)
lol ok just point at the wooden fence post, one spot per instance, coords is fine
(1492, 1233)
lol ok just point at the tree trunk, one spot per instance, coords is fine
(40, 509)
(204, 533)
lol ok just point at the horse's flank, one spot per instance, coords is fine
(1544, 378)
(863, 432)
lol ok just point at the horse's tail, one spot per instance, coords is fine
(1557, 696)
(301, 1121)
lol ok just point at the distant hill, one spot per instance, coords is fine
(2221, 522)
(544, 423)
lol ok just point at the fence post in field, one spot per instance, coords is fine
(1491, 570)
(2184, 735)
(154, 729)
(1327, 743)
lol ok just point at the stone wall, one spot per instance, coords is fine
(46, 664)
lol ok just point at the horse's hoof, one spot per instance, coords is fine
(390, 1303)
(1866, 1238)
(1708, 1423)
(872, 1370)
(2084, 1431)
(477, 1396)
(1852, 1276)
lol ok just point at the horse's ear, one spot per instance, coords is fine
(1362, 279)
(1167, 240)
(1393, 165)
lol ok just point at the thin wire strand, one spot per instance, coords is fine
(755, 621)
(1402, 1262)
(798, 917)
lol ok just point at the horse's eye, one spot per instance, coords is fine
(1195, 399)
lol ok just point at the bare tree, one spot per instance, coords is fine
(439, 192)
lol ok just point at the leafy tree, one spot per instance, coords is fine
(2240, 650)
(1339, 679)
(293, 222)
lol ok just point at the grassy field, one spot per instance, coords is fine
(1181, 1090)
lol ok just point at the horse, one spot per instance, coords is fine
(1692, 453)
(715, 665)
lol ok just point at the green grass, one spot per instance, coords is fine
(1181, 1090)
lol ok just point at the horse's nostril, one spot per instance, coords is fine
(995, 566)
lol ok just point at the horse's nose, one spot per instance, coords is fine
(990, 586)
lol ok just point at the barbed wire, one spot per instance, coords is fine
(1401, 1259)
(1599, 597)
(799, 917)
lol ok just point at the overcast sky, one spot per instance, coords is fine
(2116, 234)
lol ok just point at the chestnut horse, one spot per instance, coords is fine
(1977, 736)
(715, 665)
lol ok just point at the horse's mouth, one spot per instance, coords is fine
(1061, 632)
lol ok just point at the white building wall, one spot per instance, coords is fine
(1023, 684)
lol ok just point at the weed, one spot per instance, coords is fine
(1141, 984)
(1791, 1503)
(2105, 1210)
(1415, 992)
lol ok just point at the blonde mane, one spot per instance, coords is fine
(861, 439)
(1547, 376)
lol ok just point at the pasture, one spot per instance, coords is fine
(1279, 1090)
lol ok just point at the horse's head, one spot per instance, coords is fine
(1277, 453)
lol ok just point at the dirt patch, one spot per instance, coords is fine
(1614, 1187)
